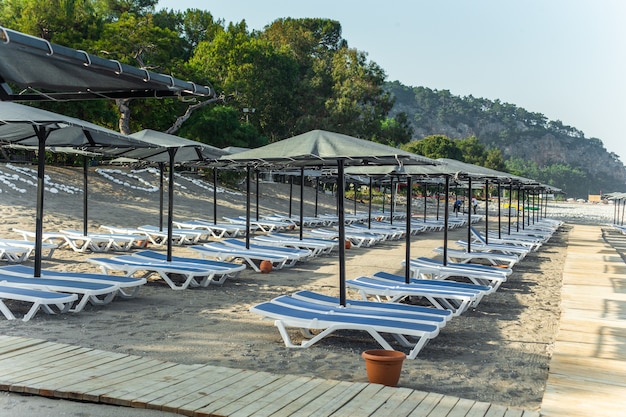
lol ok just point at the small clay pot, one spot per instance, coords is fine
(383, 366)
(265, 267)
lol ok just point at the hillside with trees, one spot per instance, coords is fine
(296, 75)
(530, 145)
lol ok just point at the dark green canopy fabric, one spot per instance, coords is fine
(186, 150)
(19, 125)
(52, 72)
(321, 148)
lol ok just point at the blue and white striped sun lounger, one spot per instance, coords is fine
(308, 305)
(455, 301)
(95, 293)
(135, 266)
(217, 230)
(478, 274)
(461, 256)
(222, 270)
(45, 300)
(520, 251)
(128, 287)
(264, 226)
(222, 252)
(47, 248)
(294, 255)
(285, 317)
(479, 290)
(316, 246)
(328, 300)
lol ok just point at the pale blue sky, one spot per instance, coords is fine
(565, 59)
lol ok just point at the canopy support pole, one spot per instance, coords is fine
(214, 195)
(469, 214)
(170, 203)
(369, 206)
(85, 208)
(407, 255)
(42, 135)
(446, 214)
(248, 207)
(301, 203)
(161, 169)
(342, 232)
(487, 211)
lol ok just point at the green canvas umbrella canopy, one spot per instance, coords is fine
(323, 148)
(171, 149)
(38, 129)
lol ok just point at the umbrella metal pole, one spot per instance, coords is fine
(499, 211)
(369, 206)
(354, 188)
(85, 209)
(425, 205)
(41, 167)
(317, 191)
(290, 196)
(438, 199)
(446, 214)
(170, 205)
(214, 195)
(391, 203)
(623, 210)
(257, 195)
(510, 205)
(161, 168)
(519, 190)
(248, 207)
(407, 255)
(487, 211)
(301, 202)
(342, 233)
(469, 215)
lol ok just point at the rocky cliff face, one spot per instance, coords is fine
(515, 131)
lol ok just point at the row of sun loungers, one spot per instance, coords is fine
(383, 308)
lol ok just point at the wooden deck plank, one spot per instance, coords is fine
(15, 370)
(275, 400)
(172, 383)
(73, 371)
(231, 393)
(256, 398)
(195, 397)
(410, 404)
(444, 406)
(9, 343)
(96, 393)
(478, 409)
(461, 408)
(367, 399)
(309, 392)
(426, 405)
(126, 391)
(335, 398)
(212, 377)
(189, 390)
(393, 404)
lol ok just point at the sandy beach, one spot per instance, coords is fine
(498, 352)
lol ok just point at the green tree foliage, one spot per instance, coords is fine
(435, 146)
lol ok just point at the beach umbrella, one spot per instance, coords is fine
(170, 149)
(321, 148)
(38, 129)
(46, 71)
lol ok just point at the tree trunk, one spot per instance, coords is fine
(124, 121)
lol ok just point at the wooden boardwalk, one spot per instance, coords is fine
(588, 367)
(587, 371)
(64, 371)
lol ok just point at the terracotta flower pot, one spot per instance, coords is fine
(348, 244)
(383, 366)
(265, 267)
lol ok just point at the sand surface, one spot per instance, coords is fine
(498, 352)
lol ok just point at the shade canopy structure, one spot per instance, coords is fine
(46, 71)
(323, 148)
(171, 149)
(40, 130)
(22, 126)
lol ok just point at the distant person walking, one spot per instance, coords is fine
(456, 208)
(474, 204)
